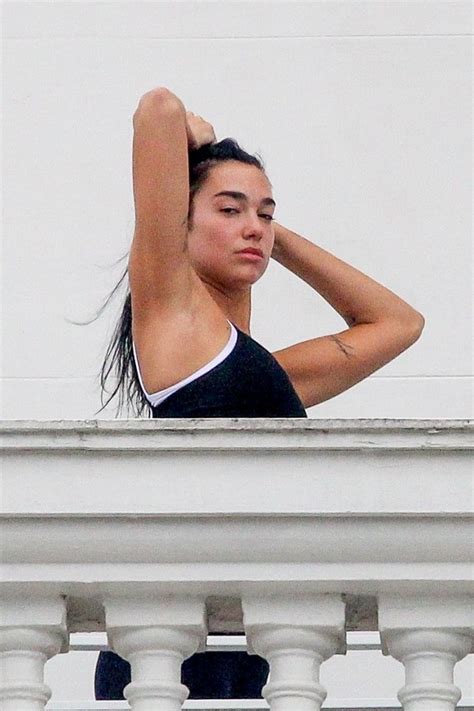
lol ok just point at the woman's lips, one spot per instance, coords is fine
(251, 255)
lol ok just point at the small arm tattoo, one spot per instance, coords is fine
(344, 347)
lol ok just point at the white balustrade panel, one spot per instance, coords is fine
(294, 531)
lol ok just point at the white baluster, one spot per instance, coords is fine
(429, 636)
(31, 631)
(156, 636)
(295, 634)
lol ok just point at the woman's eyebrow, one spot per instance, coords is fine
(243, 197)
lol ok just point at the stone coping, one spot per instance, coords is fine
(239, 433)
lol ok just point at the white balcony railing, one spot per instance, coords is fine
(292, 532)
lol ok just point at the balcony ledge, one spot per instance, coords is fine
(229, 507)
(242, 433)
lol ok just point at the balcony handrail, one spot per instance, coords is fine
(221, 433)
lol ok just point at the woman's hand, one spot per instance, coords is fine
(277, 230)
(199, 131)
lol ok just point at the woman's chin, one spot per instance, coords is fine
(250, 276)
(239, 279)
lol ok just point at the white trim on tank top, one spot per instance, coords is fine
(158, 397)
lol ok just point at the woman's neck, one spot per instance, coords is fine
(236, 307)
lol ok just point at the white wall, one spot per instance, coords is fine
(361, 111)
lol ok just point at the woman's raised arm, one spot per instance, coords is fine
(164, 132)
(381, 324)
(158, 266)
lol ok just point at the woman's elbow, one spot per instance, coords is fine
(404, 329)
(414, 326)
(158, 101)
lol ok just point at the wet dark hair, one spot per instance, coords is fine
(119, 363)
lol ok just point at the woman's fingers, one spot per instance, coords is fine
(200, 131)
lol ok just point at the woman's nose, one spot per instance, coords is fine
(254, 227)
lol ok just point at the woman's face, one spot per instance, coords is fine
(223, 225)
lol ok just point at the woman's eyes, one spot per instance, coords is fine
(230, 210)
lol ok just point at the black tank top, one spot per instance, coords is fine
(248, 383)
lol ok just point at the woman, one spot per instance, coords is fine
(204, 234)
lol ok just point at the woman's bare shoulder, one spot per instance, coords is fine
(175, 340)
